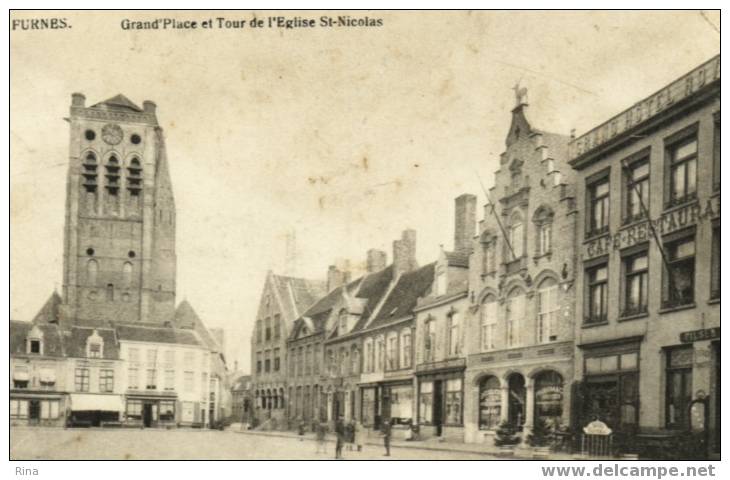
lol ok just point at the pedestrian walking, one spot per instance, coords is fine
(386, 437)
(340, 432)
(321, 430)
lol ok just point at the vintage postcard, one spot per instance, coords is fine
(359, 235)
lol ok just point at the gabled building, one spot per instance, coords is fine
(521, 288)
(283, 300)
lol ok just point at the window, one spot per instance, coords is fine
(151, 379)
(516, 235)
(679, 387)
(429, 339)
(21, 376)
(258, 362)
(267, 361)
(682, 171)
(489, 244)
(92, 271)
(308, 360)
(515, 313)
(369, 356)
(47, 378)
(95, 350)
(134, 355)
(18, 408)
(110, 292)
(169, 358)
(259, 331)
(549, 398)
(612, 389)
(34, 346)
(151, 356)
(488, 314)
(277, 326)
(453, 401)
(636, 191)
(169, 380)
(355, 359)
(636, 284)
(405, 347)
(134, 409)
(316, 359)
(597, 292)
(167, 410)
(392, 351)
(679, 275)
(277, 359)
(188, 381)
(300, 360)
(490, 403)
(267, 323)
(49, 409)
(544, 238)
(598, 207)
(716, 154)
(81, 379)
(454, 321)
(379, 353)
(715, 273)
(425, 403)
(133, 379)
(106, 380)
(203, 384)
(188, 359)
(547, 311)
(342, 322)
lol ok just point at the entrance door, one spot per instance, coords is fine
(438, 406)
(34, 412)
(517, 399)
(147, 414)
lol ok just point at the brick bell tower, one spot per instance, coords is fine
(119, 237)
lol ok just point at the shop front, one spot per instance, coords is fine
(440, 403)
(37, 408)
(95, 410)
(162, 411)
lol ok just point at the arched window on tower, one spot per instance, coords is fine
(134, 177)
(110, 292)
(112, 175)
(543, 220)
(127, 274)
(92, 270)
(90, 173)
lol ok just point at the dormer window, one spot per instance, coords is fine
(34, 341)
(94, 345)
(342, 322)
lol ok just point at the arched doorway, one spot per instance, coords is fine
(517, 399)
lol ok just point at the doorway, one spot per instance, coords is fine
(438, 410)
(517, 399)
(147, 414)
(34, 412)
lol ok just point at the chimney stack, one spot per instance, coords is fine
(149, 106)
(376, 260)
(404, 253)
(338, 274)
(465, 221)
(78, 100)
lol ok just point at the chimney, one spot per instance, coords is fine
(465, 221)
(336, 277)
(149, 107)
(78, 100)
(376, 260)
(404, 253)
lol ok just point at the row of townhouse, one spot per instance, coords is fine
(543, 311)
(126, 374)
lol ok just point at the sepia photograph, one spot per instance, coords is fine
(365, 235)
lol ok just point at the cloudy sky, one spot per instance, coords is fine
(345, 135)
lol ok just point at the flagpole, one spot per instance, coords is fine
(499, 222)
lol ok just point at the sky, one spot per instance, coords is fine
(345, 136)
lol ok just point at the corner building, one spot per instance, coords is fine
(648, 305)
(521, 296)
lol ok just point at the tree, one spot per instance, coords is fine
(506, 434)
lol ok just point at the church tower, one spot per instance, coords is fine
(119, 238)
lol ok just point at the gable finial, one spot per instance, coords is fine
(520, 94)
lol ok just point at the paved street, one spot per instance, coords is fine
(40, 443)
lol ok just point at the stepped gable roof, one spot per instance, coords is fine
(53, 344)
(157, 334)
(75, 341)
(321, 310)
(404, 296)
(49, 312)
(118, 102)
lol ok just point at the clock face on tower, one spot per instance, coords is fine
(112, 133)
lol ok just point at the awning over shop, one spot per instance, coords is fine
(47, 375)
(87, 401)
(21, 374)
